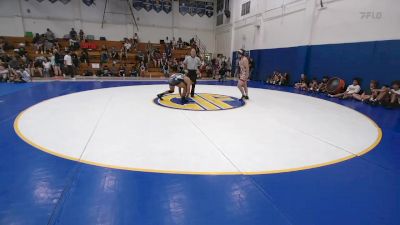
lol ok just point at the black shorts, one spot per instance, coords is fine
(192, 74)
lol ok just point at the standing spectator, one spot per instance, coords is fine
(122, 70)
(142, 69)
(50, 35)
(114, 54)
(56, 60)
(81, 35)
(75, 62)
(135, 40)
(38, 43)
(46, 68)
(68, 65)
(84, 58)
(72, 34)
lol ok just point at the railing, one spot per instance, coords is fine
(202, 47)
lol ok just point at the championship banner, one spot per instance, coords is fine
(157, 5)
(137, 4)
(65, 1)
(147, 5)
(209, 9)
(167, 6)
(87, 2)
(192, 8)
(201, 8)
(183, 7)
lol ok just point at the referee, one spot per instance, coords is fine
(192, 64)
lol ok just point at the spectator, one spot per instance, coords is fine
(114, 54)
(353, 88)
(75, 62)
(81, 35)
(46, 68)
(104, 54)
(50, 35)
(302, 84)
(84, 58)
(142, 69)
(313, 86)
(57, 61)
(135, 40)
(368, 94)
(323, 84)
(179, 43)
(122, 70)
(68, 65)
(4, 73)
(134, 71)
(38, 43)
(106, 71)
(72, 34)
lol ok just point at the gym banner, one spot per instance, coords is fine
(192, 8)
(137, 4)
(157, 5)
(183, 7)
(167, 6)
(147, 5)
(209, 9)
(88, 2)
(201, 8)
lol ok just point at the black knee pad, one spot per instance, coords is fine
(170, 91)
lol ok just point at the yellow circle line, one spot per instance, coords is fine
(52, 152)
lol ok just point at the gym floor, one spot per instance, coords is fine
(92, 152)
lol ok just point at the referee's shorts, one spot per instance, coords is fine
(192, 74)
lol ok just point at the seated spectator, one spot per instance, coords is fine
(23, 76)
(323, 84)
(36, 67)
(84, 58)
(2, 45)
(303, 83)
(50, 35)
(114, 54)
(81, 35)
(142, 69)
(353, 88)
(4, 72)
(127, 46)
(134, 71)
(104, 54)
(165, 68)
(370, 93)
(179, 43)
(105, 71)
(284, 80)
(73, 44)
(113, 70)
(73, 34)
(313, 86)
(122, 70)
(123, 54)
(388, 96)
(47, 46)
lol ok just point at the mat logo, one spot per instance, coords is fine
(201, 102)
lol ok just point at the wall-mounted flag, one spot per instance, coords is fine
(137, 4)
(88, 2)
(147, 5)
(167, 6)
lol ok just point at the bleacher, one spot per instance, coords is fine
(94, 54)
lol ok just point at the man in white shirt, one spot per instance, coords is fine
(351, 89)
(68, 65)
(192, 64)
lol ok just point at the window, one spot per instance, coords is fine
(220, 19)
(246, 8)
